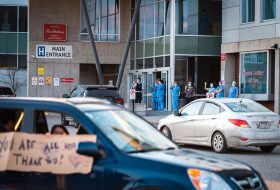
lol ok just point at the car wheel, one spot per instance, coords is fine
(166, 132)
(219, 143)
(267, 149)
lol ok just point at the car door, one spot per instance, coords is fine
(207, 121)
(183, 125)
(102, 171)
(11, 120)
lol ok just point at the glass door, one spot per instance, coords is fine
(164, 77)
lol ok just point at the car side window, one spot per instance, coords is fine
(11, 119)
(210, 109)
(46, 121)
(192, 109)
(77, 93)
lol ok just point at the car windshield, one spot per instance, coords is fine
(129, 132)
(101, 93)
(246, 107)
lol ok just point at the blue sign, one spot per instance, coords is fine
(41, 51)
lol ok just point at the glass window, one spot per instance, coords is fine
(132, 65)
(11, 119)
(159, 15)
(253, 68)
(8, 18)
(244, 107)
(210, 109)
(159, 62)
(22, 61)
(149, 63)
(248, 11)
(22, 19)
(139, 63)
(149, 21)
(167, 17)
(192, 109)
(8, 60)
(105, 24)
(268, 9)
(167, 61)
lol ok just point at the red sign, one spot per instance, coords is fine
(69, 80)
(55, 32)
(223, 57)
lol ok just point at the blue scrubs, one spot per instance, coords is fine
(154, 97)
(212, 90)
(160, 94)
(222, 93)
(175, 97)
(233, 91)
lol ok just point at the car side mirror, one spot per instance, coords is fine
(65, 96)
(89, 149)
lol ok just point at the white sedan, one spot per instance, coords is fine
(224, 123)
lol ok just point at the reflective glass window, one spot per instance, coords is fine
(248, 11)
(8, 18)
(268, 9)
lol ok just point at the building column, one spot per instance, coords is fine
(172, 47)
(228, 72)
(277, 82)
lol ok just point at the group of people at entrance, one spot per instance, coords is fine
(158, 95)
(212, 92)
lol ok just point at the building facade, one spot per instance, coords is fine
(60, 53)
(176, 40)
(13, 45)
(250, 39)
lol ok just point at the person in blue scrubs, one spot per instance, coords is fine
(210, 91)
(160, 94)
(175, 89)
(220, 90)
(154, 96)
(233, 91)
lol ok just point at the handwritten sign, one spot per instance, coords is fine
(43, 153)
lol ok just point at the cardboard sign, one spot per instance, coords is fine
(54, 51)
(48, 80)
(132, 94)
(55, 32)
(41, 70)
(43, 153)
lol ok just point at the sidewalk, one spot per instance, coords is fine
(154, 116)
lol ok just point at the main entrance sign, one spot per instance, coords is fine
(54, 51)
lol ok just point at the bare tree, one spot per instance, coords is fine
(10, 77)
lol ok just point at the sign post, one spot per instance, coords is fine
(132, 96)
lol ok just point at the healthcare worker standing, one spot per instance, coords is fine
(220, 90)
(210, 91)
(175, 96)
(233, 91)
(160, 94)
(154, 96)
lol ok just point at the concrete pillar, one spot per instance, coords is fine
(172, 46)
(277, 82)
(228, 72)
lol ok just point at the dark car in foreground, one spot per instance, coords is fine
(130, 154)
(6, 92)
(107, 92)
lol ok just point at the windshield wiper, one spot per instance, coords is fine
(150, 150)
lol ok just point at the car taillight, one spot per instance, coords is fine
(119, 101)
(240, 123)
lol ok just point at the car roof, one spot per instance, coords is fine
(81, 103)
(98, 87)
(226, 100)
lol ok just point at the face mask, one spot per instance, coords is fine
(138, 81)
(220, 84)
(175, 84)
(211, 85)
(189, 84)
(233, 84)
